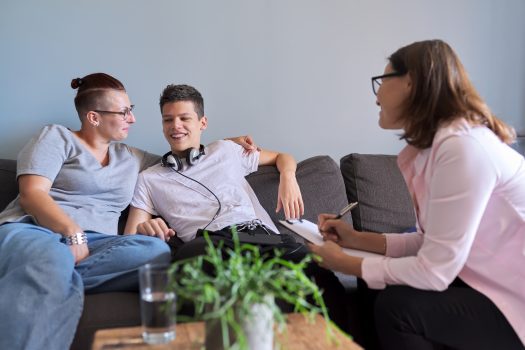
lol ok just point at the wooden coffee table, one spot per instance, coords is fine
(300, 334)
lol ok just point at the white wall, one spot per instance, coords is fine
(295, 74)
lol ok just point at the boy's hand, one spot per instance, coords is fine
(289, 197)
(156, 228)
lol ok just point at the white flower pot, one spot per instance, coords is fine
(257, 327)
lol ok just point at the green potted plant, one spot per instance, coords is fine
(234, 290)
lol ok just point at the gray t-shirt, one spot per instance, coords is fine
(91, 194)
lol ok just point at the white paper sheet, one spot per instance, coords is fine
(309, 231)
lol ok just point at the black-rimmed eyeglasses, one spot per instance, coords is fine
(124, 114)
(377, 81)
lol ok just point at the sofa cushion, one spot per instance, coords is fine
(321, 184)
(377, 184)
(519, 145)
(9, 188)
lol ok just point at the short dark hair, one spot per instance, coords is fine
(175, 93)
(91, 91)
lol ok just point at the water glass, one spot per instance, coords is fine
(157, 304)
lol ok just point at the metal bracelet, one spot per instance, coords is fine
(76, 239)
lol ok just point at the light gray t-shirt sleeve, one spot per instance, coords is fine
(90, 194)
(142, 198)
(146, 159)
(44, 154)
(248, 162)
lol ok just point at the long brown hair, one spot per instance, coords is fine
(441, 93)
(92, 89)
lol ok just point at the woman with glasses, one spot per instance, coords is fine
(58, 238)
(459, 281)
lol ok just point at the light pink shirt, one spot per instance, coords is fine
(468, 191)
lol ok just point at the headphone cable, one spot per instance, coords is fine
(213, 194)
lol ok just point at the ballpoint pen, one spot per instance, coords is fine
(346, 210)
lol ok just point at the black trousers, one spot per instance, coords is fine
(458, 318)
(292, 250)
(326, 280)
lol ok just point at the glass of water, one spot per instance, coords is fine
(157, 304)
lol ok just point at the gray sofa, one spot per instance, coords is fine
(373, 180)
(323, 190)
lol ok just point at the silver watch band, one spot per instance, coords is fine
(76, 238)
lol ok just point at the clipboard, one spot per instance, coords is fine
(309, 231)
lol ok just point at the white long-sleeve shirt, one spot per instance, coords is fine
(468, 191)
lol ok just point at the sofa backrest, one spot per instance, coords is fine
(321, 184)
(519, 145)
(9, 186)
(377, 184)
(319, 178)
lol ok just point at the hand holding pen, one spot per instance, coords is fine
(334, 229)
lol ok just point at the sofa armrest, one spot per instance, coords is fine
(377, 184)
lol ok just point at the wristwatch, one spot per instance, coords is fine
(75, 239)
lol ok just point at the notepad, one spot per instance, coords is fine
(309, 231)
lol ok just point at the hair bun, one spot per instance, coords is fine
(75, 83)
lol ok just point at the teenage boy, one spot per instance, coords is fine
(200, 187)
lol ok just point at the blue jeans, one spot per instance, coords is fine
(42, 291)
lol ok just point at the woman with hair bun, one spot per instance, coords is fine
(459, 281)
(58, 238)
